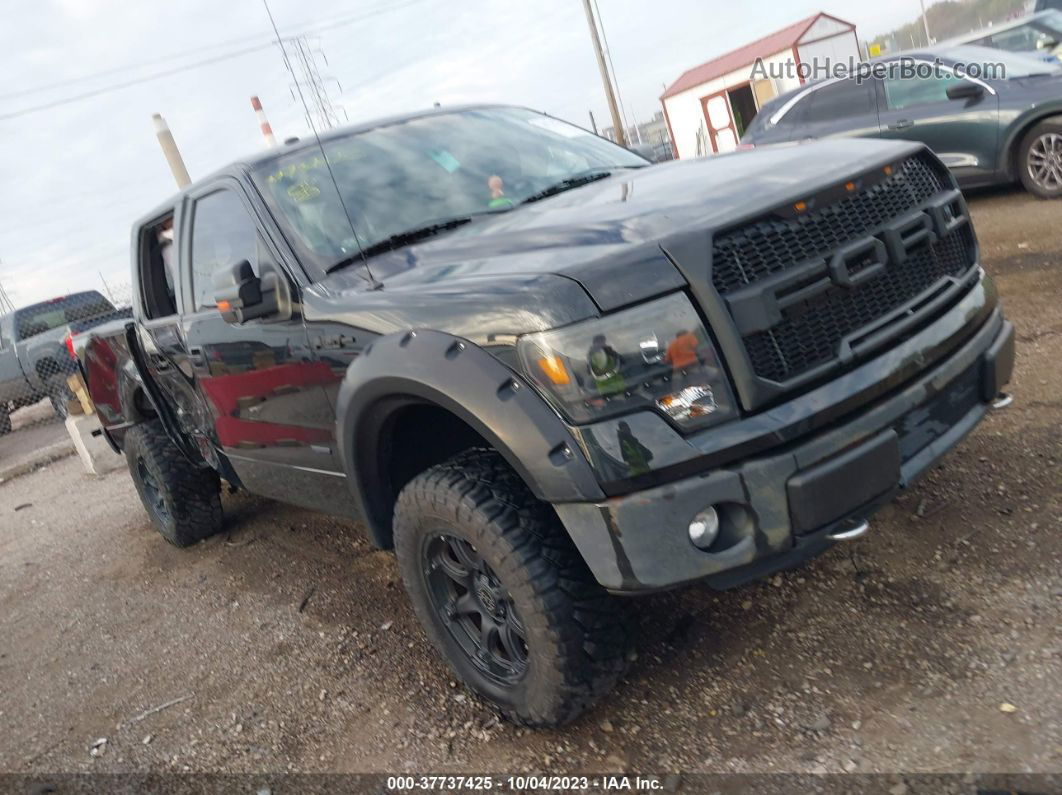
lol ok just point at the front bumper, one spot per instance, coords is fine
(780, 506)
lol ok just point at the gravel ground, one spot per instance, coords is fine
(34, 428)
(286, 643)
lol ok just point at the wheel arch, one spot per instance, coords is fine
(1012, 145)
(442, 376)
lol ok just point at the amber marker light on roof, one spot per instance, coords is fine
(887, 170)
(849, 186)
(800, 206)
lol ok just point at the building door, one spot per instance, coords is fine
(720, 121)
(742, 107)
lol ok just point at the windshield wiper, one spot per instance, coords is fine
(405, 238)
(566, 184)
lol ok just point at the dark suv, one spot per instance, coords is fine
(544, 371)
(986, 129)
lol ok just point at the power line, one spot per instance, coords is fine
(194, 65)
(324, 112)
(162, 59)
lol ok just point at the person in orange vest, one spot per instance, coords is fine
(682, 352)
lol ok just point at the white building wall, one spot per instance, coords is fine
(686, 114)
(821, 55)
(824, 26)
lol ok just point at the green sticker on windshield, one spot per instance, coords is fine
(445, 159)
(301, 191)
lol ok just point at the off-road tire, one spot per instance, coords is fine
(5, 421)
(1044, 128)
(190, 496)
(576, 633)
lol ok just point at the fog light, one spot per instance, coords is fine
(704, 528)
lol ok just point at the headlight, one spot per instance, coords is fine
(655, 356)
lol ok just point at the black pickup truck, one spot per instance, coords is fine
(546, 372)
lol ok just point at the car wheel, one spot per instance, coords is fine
(5, 421)
(1040, 160)
(183, 500)
(59, 395)
(502, 592)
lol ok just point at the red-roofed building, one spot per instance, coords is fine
(708, 107)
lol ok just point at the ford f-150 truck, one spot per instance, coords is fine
(545, 372)
(35, 353)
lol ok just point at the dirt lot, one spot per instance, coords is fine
(931, 645)
(36, 428)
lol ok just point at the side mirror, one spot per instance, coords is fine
(965, 90)
(241, 296)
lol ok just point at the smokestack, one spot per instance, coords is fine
(170, 150)
(263, 122)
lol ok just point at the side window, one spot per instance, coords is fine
(223, 233)
(901, 93)
(157, 269)
(840, 100)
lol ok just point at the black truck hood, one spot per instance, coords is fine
(607, 236)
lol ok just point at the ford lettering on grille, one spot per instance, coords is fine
(802, 290)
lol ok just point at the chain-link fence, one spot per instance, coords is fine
(40, 383)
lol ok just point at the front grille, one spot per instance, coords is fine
(811, 331)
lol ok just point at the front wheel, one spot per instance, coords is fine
(1040, 160)
(502, 592)
(183, 500)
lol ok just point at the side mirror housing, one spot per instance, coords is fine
(240, 295)
(965, 90)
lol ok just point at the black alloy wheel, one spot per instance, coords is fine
(476, 609)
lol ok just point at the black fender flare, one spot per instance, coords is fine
(456, 375)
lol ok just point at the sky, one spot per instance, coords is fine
(77, 174)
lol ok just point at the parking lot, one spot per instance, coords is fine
(287, 643)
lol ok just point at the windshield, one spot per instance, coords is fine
(423, 171)
(60, 312)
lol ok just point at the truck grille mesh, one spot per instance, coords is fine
(810, 333)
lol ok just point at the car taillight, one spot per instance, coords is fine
(68, 341)
(745, 147)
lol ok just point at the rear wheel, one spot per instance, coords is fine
(1040, 160)
(183, 500)
(5, 421)
(59, 395)
(502, 592)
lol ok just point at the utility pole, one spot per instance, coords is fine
(170, 151)
(925, 23)
(610, 95)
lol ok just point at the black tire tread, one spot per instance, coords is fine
(587, 626)
(193, 494)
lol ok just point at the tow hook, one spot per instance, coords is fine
(850, 533)
(1002, 400)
